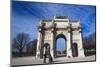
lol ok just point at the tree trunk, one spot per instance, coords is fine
(20, 53)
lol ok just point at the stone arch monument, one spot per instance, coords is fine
(60, 26)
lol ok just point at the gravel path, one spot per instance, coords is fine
(33, 60)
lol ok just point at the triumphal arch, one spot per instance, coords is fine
(60, 26)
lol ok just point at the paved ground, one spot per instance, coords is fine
(33, 60)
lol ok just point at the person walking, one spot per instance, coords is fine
(44, 54)
(47, 54)
(50, 58)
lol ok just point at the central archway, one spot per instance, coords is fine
(60, 45)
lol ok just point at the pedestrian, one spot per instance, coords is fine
(44, 55)
(50, 58)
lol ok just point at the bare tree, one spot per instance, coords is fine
(20, 41)
(31, 48)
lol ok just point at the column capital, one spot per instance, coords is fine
(52, 30)
(69, 30)
(39, 29)
(80, 30)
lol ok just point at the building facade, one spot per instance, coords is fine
(50, 30)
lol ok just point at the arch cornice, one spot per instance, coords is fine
(61, 35)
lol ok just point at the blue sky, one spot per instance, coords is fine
(26, 16)
(61, 44)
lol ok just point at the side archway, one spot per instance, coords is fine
(74, 49)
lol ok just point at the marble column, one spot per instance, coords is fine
(80, 46)
(38, 44)
(52, 45)
(69, 51)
